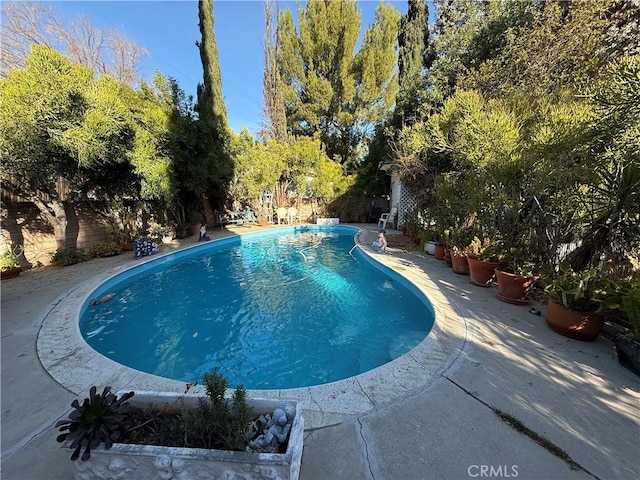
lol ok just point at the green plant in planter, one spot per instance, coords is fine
(215, 424)
(517, 261)
(583, 291)
(102, 418)
(484, 250)
(630, 307)
(11, 258)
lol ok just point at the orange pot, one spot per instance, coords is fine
(573, 324)
(514, 288)
(460, 264)
(438, 253)
(481, 272)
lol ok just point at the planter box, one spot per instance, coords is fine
(135, 462)
(327, 221)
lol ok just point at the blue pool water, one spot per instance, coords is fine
(282, 309)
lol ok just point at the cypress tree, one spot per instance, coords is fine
(413, 45)
(211, 108)
(273, 102)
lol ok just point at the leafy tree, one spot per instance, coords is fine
(327, 88)
(62, 134)
(558, 48)
(103, 51)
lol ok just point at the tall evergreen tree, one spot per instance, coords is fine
(211, 106)
(328, 89)
(273, 101)
(213, 166)
(413, 48)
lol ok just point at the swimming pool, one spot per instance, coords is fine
(274, 310)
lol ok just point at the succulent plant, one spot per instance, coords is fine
(101, 418)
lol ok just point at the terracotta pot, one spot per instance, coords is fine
(447, 257)
(127, 247)
(263, 222)
(438, 252)
(459, 264)
(628, 351)
(572, 323)
(514, 288)
(10, 272)
(481, 271)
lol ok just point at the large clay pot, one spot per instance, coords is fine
(572, 323)
(459, 264)
(481, 272)
(263, 222)
(438, 252)
(514, 288)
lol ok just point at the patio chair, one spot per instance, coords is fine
(293, 215)
(282, 214)
(389, 217)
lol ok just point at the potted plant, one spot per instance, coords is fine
(459, 261)
(577, 302)
(628, 343)
(10, 262)
(483, 259)
(515, 276)
(162, 435)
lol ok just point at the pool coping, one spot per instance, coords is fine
(76, 366)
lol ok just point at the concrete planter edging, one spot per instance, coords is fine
(128, 461)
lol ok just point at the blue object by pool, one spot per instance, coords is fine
(281, 309)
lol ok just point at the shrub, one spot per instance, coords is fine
(104, 250)
(63, 258)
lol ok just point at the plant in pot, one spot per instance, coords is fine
(628, 343)
(516, 276)
(577, 302)
(483, 258)
(162, 435)
(10, 262)
(458, 238)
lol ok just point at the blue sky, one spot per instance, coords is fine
(169, 30)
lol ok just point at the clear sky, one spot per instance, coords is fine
(169, 30)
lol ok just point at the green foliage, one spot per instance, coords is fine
(584, 291)
(327, 89)
(218, 421)
(484, 249)
(66, 257)
(108, 249)
(12, 257)
(102, 418)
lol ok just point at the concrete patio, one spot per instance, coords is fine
(494, 362)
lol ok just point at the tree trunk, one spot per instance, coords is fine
(58, 214)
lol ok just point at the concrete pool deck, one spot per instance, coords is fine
(420, 418)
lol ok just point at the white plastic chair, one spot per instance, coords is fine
(282, 214)
(389, 217)
(293, 215)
